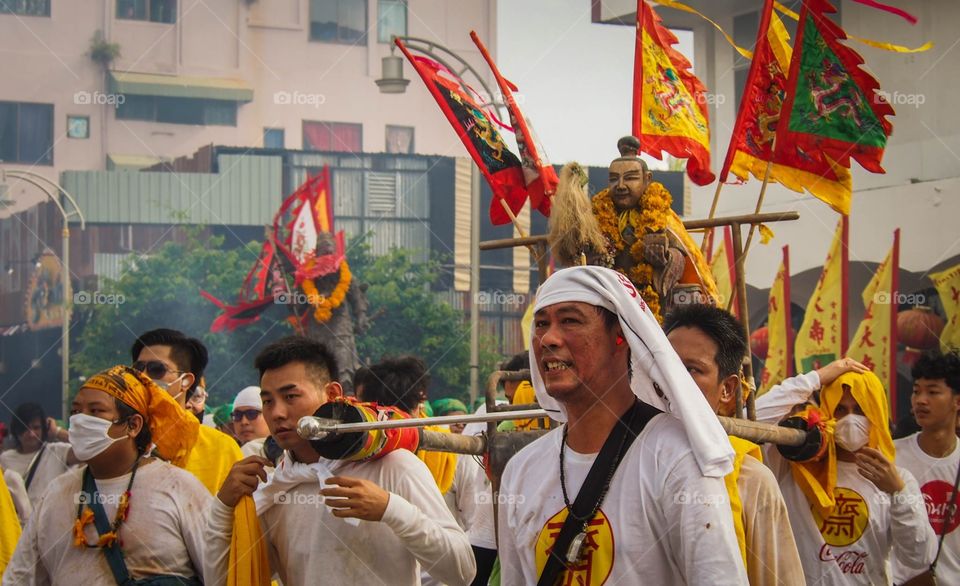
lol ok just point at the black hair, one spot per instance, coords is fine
(720, 325)
(317, 358)
(143, 439)
(189, 354)
(397, 382)
(23, 415)
(934, 366)
(518, 361)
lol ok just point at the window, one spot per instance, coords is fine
(332, 136)
(178, 110)
(26, 133)
(151, 10)
(78, 127)
(400, 140)
(391, 19)
(25, 7)
(338, 21)
(273, 138)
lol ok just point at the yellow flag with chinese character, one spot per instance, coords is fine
(948, 286)
(874, 341)
(777, 364)
(823, 333)
(721, 266)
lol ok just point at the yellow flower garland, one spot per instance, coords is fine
(324, 305)
(654, 206)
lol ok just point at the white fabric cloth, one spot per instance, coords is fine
(18, 493)
(162, 535)
(248, 398)
(776, 403)
(308, 545)
(935, 477)
(665, 522)
(289, 474)
(463, 501)
(253, 447)
(652, 360)
(53, 463)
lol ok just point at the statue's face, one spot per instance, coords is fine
(627, 183)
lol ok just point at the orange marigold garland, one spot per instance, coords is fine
(323, 304)
(85, 514)
(651, 217)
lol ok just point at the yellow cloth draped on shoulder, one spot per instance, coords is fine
(442, 465)
(9, 525)
(742, 449)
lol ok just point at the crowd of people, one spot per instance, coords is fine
(632, 479)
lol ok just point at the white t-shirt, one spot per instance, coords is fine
(935, 477)
(855, 543)
(308, 545)
(53, 463)
(161, 536)
(661, 521)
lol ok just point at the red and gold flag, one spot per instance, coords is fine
(875, 341)
(778, 364)
(501, 168)
(669, 102)
(752, 142)
(823, 336)
(539, 175)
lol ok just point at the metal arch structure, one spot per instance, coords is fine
(44, 184)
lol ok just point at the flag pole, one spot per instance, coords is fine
(293, 306)
(513, 217)
(763, 192)
(708, 235)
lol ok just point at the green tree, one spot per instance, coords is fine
(408, 318)
(162, 290)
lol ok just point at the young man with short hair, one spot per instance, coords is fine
(41, 452)
(711, 344)
(176, 363)
(933, 457)
(330, 521)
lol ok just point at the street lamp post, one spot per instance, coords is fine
(44, 185)
(393, 82)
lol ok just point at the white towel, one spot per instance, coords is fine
(289, 474)
(652, 360)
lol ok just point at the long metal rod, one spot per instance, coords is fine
(317, 428)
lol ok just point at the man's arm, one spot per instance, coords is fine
(410, 504)
(914, 542)
(511, 568)
(700, 526)
(776, 403)
(25, 567)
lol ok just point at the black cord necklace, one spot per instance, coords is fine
(576, 544)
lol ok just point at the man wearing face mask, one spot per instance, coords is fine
(851, 508)
(176, 363)
(125, 515)
(41, 452)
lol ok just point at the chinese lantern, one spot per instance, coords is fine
(919, 328)
(759, 342)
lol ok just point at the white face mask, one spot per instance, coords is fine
(166, 385)
(852, 432)
(88, 436)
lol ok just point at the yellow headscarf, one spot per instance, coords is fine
(818, 479)
(9, 525)
(525, 395)
(174, 431)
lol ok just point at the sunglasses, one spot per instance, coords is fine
(249, 414)
(154, 368)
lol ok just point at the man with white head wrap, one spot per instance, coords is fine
(249, 426)
(598, 357)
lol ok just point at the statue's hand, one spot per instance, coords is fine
(656, 248)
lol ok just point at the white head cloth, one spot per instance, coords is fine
(248, 397)
(652, 361)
